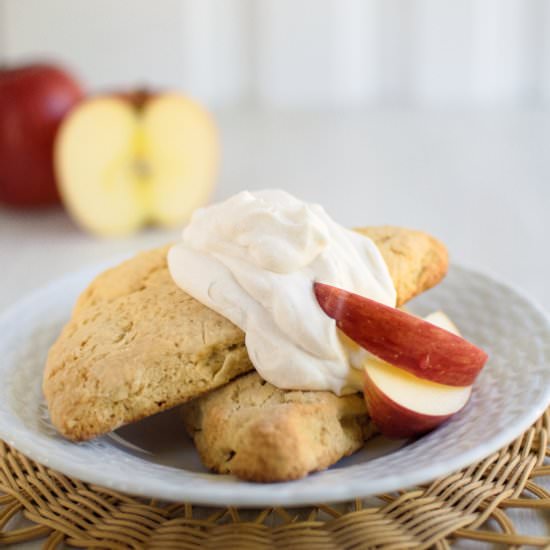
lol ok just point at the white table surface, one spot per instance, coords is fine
(480, 181)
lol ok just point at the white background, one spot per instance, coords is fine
(430, 114)
(299, 53)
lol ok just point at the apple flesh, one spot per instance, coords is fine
(403, 405)
(33, 100)
(401, 339)
(439, 319)
(127, 160)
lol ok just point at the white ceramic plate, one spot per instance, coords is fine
(154, 458)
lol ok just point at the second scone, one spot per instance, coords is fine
(257, 432)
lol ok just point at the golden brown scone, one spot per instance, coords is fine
(126, 278)
(416, 261)
(258, 432)
(142, 348)
(137, 344)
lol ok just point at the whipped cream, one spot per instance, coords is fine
(254, 258)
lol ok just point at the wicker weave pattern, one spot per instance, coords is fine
(64, 510)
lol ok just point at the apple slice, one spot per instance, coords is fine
(401, 339)
(123, 161)
(403, 405)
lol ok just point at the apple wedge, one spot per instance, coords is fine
(403, 405)
(401, 339)
(123, 161)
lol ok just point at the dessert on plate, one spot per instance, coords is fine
(265, 324)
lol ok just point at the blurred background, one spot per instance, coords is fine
(431, 114)
(301, 54)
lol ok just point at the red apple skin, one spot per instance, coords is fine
(392, 419)
(402, 339)
(33, 100)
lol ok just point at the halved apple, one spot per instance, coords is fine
(401, 339)
(126, 160)
(403, 405)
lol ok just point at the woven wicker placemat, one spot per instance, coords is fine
(470, 504)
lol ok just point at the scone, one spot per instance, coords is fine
(137, 344)
(416, 261)
(251, 429)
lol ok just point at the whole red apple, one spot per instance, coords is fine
(33, 100)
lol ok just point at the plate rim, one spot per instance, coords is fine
(202, 495)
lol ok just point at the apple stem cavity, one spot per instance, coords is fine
(401, 339)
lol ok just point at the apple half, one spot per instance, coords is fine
(123, 161)
(401, 339)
